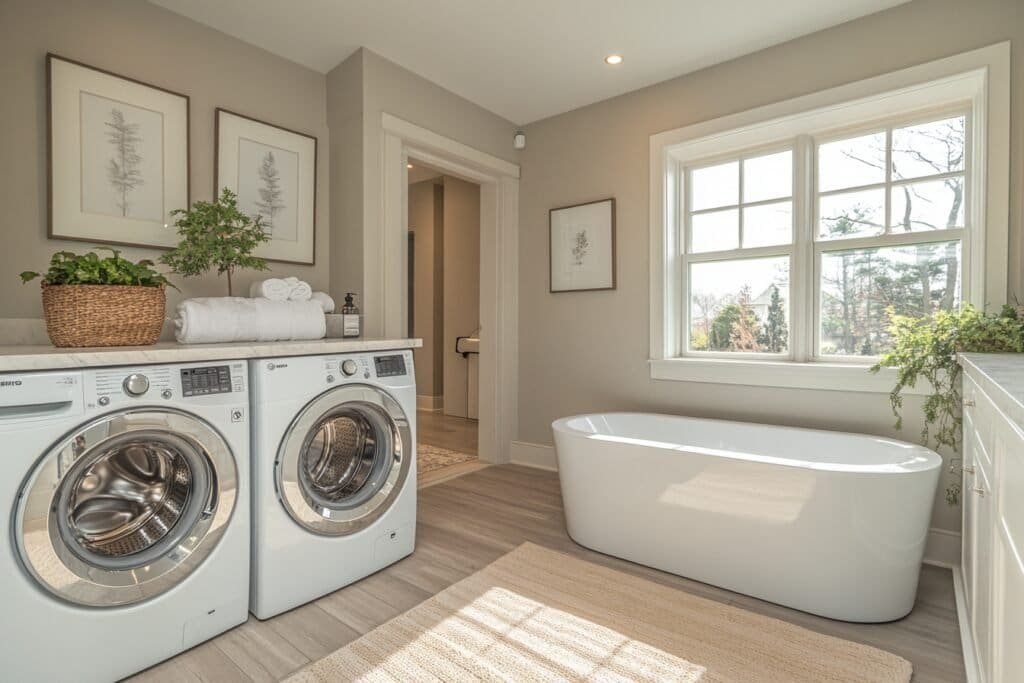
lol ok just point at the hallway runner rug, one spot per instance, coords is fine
(430, 458)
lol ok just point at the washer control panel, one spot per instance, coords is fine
(213, 379)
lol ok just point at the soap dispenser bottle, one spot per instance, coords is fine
(350, 318)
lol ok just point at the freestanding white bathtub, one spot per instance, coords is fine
(825, 522)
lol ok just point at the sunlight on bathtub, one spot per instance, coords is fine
(744, 490)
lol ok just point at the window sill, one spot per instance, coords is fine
(847, 377)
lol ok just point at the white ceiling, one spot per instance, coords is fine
(529, 59)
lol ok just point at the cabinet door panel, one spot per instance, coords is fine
(981, 533)
(1008, 567)
(1008, 608)
(970, 506)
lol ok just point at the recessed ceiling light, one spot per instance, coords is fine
(408, 165)
(613, 59)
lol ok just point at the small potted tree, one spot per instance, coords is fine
(94, 301)
(216, 235)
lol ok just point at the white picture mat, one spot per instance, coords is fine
(67, 82)
(596, 270)
(231, 129)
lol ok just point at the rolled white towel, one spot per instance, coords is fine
(275, 289)
(325, 301)
(299, 289)
(235, 319)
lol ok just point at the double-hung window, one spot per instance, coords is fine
(794, 240)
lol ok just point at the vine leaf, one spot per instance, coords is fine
(925, 350)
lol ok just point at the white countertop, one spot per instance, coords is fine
(1001, 377)
(26, 358)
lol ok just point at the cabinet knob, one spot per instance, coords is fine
(969, 403)
(980, 491)
(969, 470)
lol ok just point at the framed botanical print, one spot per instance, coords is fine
(273, 172)
(583, 247)
(118, 156)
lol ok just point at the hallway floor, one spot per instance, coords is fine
(450, 433)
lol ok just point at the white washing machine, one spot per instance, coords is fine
(334, 473)
(124, 495)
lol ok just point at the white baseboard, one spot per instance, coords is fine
(966, 639)
(533, 455)
(431, 404)
(942, 548)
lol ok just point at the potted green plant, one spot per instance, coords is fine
(926, 349)
(216, 235)
(94, 301)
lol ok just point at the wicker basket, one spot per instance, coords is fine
(103, 315)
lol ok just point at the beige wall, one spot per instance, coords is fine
(426, 222)
(461, 286)
(388, 88)
(366, 86)
(145, 42)
(344, 93)
(588, 351)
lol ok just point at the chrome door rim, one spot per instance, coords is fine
(304, 508)
(73, 573)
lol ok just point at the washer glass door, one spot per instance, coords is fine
(344, 459)
(126, 507)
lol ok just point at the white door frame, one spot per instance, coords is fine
(499, 264)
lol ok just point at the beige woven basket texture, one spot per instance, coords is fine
(103, 315)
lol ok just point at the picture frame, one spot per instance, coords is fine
(273, 171)
(581, 247)
(118, 160)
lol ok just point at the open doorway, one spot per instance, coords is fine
(444, 311)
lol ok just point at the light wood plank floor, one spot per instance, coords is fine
(467, 523)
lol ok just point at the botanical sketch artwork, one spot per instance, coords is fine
(122, 159)
(583, 247)
(124, 169)
(268, 179)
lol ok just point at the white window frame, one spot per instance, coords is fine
(975, 82)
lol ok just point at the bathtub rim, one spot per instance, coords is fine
(933, 460)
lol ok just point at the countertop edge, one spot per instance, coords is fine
(36, 358)
(980, 366)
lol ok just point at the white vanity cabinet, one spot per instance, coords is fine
(992, 566)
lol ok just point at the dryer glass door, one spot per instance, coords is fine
(344, 459)
(126, 507)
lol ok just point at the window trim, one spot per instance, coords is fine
(976, 82)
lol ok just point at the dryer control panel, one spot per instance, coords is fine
(390, 366)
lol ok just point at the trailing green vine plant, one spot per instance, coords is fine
(926, 349)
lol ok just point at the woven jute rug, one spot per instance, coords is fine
(539, 615)
(430, 458)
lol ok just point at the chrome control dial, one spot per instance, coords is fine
(349, 368)
(136, 384)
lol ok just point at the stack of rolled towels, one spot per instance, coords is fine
(278, 309)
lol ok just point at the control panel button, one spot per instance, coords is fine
(349, 367)
(136, 384)
(103, 400)
(166, 393)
